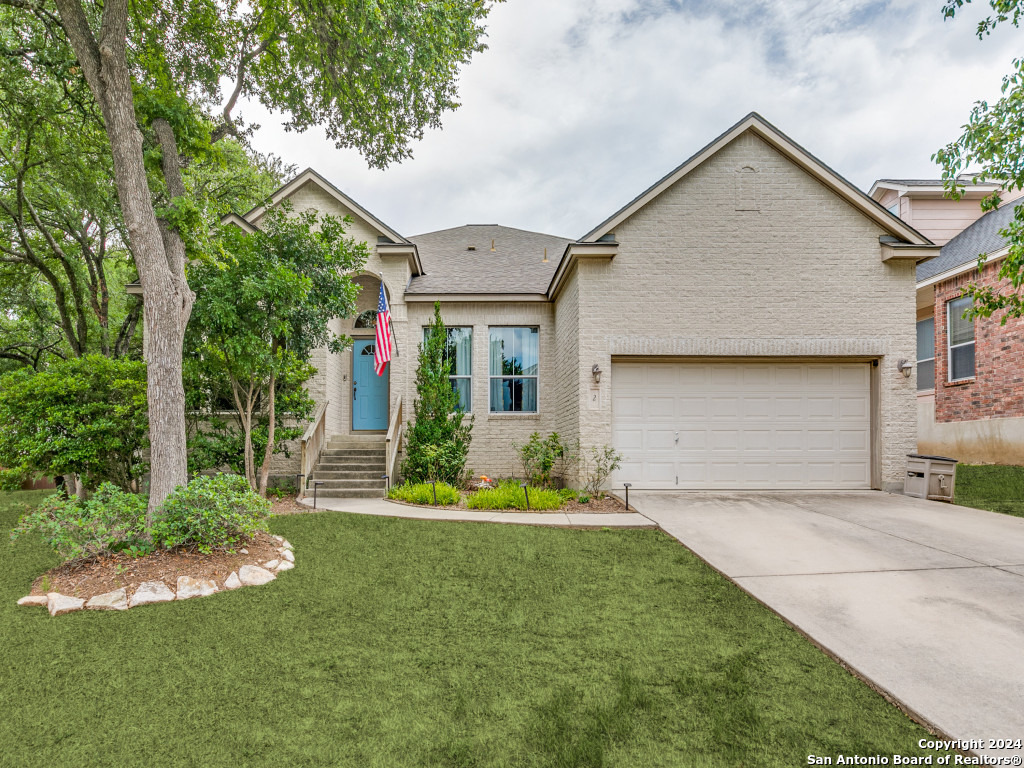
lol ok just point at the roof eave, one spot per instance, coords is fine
(310, 175)
(604, 250)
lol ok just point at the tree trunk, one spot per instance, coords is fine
(268, 453)
(158, 256)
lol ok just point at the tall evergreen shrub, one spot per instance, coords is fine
(439, 434)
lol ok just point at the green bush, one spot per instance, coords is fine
(508, 495)
(423, 493)
(211, 512)
(85, 415)
(539, 456)
(110, 520)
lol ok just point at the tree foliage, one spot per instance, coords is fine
(993, 142)
(373, 75)
(438, 436)
(260, 311)
(83, 416)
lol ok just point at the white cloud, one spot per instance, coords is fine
(578, 105)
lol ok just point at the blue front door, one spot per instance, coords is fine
(369, 391)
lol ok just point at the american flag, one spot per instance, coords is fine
(382, 345)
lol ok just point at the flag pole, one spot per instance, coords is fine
(392, 324)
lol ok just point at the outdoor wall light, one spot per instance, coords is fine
(904, 366)
(596, 373)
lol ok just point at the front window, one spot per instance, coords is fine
(514, 364)
(926, 354)
(961, 340)
(459, 350)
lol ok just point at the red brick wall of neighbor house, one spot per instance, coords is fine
(997, 391)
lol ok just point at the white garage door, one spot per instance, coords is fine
(742, 425)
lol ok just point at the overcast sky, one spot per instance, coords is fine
(579, 105)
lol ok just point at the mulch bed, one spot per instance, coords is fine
(88, 578)
(604, 506)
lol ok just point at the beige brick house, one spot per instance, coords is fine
(696, 330)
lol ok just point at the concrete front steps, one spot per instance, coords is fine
(350, 467)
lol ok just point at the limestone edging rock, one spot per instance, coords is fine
(109, 601)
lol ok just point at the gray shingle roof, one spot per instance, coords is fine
(514, 266)
(981, 237)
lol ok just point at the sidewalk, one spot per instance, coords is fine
(384, 508)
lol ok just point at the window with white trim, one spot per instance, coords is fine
(960, 339)
(458, 349)
(514, 362)
(926, 354)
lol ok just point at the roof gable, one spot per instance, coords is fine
(756, 124)
(311, 176)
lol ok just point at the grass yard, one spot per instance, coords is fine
(991, 486)
(408, 643)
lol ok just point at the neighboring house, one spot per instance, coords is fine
(970, 374)
(696, 330)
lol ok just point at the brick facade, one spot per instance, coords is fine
(997, 389)
(712, 268)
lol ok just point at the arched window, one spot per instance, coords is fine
(367, 319)
(369, 349)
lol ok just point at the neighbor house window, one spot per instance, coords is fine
(514, 362)
(459, 349)
(926, 354)
(961, 340)
(894, 209)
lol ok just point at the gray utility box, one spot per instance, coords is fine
(930, 477)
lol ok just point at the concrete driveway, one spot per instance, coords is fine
(924, 599)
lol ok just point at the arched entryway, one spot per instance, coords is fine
(369, 393)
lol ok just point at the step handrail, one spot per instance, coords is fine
(312, 444)
(393, 441)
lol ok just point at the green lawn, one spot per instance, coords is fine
(409, 643)
(991, 486)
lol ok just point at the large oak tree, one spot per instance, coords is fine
(374, 75)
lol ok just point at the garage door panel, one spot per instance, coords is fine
(725, 375)
(853, 408)
(758, 408)
(757, 440)
(691, 407)
(660, 440)
(627, 407)
(853, 440)
(662, 408)
(659, 472)
(742, 425)
(821, 408)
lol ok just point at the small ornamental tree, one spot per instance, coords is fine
(259, 313)
(438, 436)
(85, 416)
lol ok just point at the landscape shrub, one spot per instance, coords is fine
(596, 466)
(508, 495)
(539, 457)
(438, 438)
(111, 520)
(423, 493)
(211, 512)
(86, 416)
